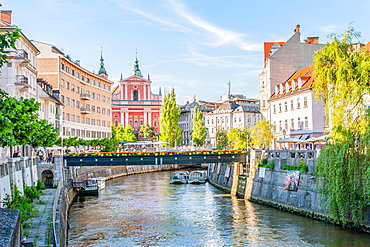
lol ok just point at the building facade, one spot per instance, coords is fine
(134, 104)
(186, 118)
(238, 113)
(85, 95)
(295, 111)
(281, 60)
(19, 76)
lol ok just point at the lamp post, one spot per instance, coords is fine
(284, 132)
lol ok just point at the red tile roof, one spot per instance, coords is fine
(305, 75)
(267, 47)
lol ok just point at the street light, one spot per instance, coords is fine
(284, 132)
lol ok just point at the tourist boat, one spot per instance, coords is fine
(90, 186)
(197, 177)
(179, 177)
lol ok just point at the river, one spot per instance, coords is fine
(146, 210)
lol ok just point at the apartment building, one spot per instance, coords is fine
(85, 95)
(187, 114)
(295, 112)
(237, 113)
(19, 76)
(281, 60)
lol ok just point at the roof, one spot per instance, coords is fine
(267, 48)
(299, 80)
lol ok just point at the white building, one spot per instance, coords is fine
(295, 113)
(237, 113)
(281, 60)
(19, 76)
(186, 118)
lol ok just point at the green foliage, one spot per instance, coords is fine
(170, 115)
(124, 134)
(199, 133)
(7, 40)
(342, 76)
(147, 132)
(222, 139)
(261, 134)
(40, 185)
(302, 168)
(238, 138)
(24, 203)
(264, 163)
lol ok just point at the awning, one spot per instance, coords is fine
(290, 140)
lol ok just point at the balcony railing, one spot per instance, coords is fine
(85, 96)
(84, 110)
(21, 80)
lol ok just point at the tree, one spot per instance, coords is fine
(170, 115)
(147, 132)
(124, 134)
(342, 83)
(46, 135)
(261, 134)
(199, 133)
(238, 138)
(221, 139)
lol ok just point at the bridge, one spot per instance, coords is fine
(155, 158)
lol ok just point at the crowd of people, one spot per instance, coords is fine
(45, 156)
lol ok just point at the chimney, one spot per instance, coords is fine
(297, 29)
(312, 40)
(6, 16)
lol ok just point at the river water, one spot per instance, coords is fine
(146, 210)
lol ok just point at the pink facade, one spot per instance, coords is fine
(134, 104)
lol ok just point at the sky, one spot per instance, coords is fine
(193, 46)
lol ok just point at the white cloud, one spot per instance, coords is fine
(329, 29)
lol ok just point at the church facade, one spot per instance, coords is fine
(133, 102)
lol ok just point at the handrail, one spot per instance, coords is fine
(56, 200)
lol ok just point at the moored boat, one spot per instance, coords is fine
(179, 177)
(197, 177)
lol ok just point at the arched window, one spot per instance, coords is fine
(135, 95)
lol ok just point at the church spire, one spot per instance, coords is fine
(102, 70)
(136, 69)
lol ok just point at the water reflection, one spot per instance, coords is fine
(145, 210)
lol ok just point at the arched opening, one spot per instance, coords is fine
(136, 95)
(48, 178)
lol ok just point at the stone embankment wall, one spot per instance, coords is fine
(266, 185)
(68, 194)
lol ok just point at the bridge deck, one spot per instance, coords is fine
(153, 159)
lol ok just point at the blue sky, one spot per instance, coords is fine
(195, 46)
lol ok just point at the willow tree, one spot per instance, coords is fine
(199, 133)
(239, 138)
(261, 134)
(342, 83)
(147, 132)
(170, 115)
(222, 139)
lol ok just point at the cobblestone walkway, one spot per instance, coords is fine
(40, 230)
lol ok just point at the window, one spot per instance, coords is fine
(73, 119)
(240, 119)
(93, 108)
(82, 120)
(78, 75)
(77, 89)
(298, 103)
(67, 69)
(78, 104)
(286, 124)
(263, 103)
(103, 85)
(280, 125)
(108, 112)
(274, 109)
(103, 123)
(68, 85)
(103, 110)
(93, 95)
(292, 105)
(279, 107)
(72, 87)
(130, 123)
(286, 105)
(98, 83)
(98, 122)
(103, 98)
(299, 123)
(292, 124)
(98, 97)
(98, 109)
(68, 116)
(78, 119)
(108, 100)
(68, 101)
(93, 82)
(62, 66)
(73, 72)
(305, 104)
(82, 77)
(92, 121)
(73, 103)
(87, 120)
(306, 122)
(135, 95)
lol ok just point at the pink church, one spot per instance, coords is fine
(134, 104)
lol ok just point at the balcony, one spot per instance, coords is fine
(84, 110)
(85, 96)
(20, 55)
(21, 80)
